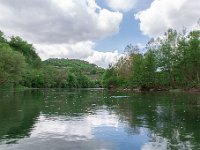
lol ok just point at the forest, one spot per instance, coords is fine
(169, 62)
(20, 66)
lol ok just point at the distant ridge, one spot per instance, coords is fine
(77, 66)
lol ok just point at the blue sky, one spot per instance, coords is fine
(129, 32)
(94, 30)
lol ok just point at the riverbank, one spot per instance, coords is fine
(189, 90)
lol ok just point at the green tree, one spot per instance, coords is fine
(31, 57)
(137, 68)
(110, 78)
(166, 55)
(2, 38)
(12, 65)
(72, 81)
(149, 70)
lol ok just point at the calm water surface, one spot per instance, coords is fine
(98, 120)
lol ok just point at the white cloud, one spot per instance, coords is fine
(103, 59)
(81, 50)
(61, 28)
(80, 129)
(59, 132)
(78, 50)
(164, 14)
(58, 21)
(157, 143)
(121, 5)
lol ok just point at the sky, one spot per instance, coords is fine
(94, 30)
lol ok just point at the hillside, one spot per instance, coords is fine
(77, 66)
(21, 66)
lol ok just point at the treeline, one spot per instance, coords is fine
(21, 66)
(171, 61)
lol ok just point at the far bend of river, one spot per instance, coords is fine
(93, 119)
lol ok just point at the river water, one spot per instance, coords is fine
(96, 119)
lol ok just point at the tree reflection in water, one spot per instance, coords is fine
(96, 119)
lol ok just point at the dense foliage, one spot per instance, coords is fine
(171, 61)
(21, 66)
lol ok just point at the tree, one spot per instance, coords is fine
(2, 38)
(12, 65)
(137, 69)
(110, 78)
(31, 57)
(149, 70)
(72, 81)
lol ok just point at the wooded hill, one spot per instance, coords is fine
(77, 66)
(21, 66)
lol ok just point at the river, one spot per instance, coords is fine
(96, 119)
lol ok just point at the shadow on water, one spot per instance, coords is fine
(97, 119)
(18, 113)
(173, 118)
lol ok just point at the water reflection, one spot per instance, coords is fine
(78, 128)
(97, 119)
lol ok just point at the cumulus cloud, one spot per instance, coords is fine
(72, 133)
(58, 21)
(71, 129)
(103, 59)
(157, 143)
(61, 28)
(164, 14)
(81, 50)
(77, 50)
(121, 5)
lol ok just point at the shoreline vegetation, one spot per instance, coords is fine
(168, 63)
(136, 90)
(21, 67)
